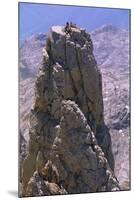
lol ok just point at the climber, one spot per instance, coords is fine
(67, 28)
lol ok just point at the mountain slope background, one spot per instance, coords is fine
(111, 50)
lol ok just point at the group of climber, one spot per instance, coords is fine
(68, 27)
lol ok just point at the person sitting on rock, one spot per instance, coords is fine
(73, 25)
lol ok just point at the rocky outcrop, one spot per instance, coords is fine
(80, 161)
(67, 122)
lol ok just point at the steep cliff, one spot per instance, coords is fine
(67, 122)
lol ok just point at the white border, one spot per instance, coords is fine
(9, 97)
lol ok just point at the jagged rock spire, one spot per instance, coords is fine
(66, 120)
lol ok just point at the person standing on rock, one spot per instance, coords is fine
(67, 28)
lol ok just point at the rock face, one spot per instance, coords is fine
(67, 122)
(77, 155)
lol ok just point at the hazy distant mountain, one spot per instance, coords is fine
(31, 55)
(111, 46)
(111, 50)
